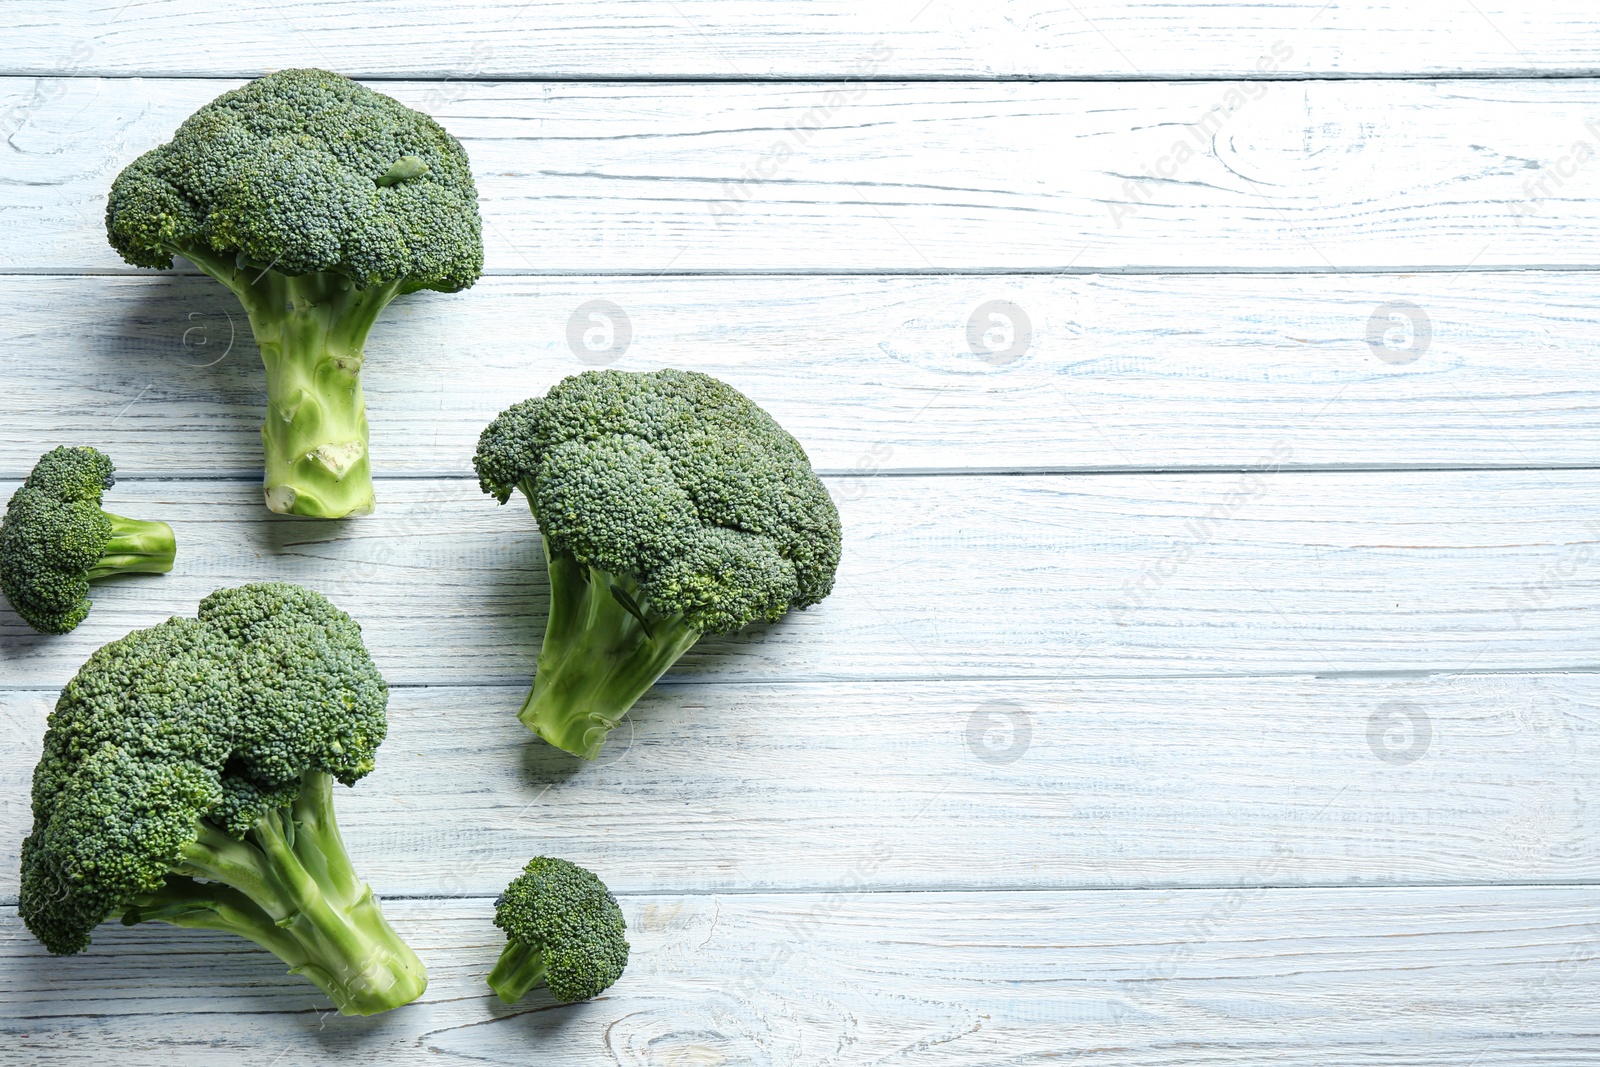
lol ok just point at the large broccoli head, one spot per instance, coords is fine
(55, 540)
(671, 506)
(316, 202)
(563, 928)
(306, 171)
(676, 481)
(191, 728)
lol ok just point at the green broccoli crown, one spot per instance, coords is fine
(676, 480)
(306, 171)
(567, 915)
(211, 718)
(73, 474)
(52, 534)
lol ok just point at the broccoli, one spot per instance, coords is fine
(55, 540)
(670, 506)
(187, 778)
(563, 929)
(317, 202)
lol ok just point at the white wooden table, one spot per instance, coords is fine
(1213, 675)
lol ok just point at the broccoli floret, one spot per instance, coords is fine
(55, 540)
(317, 202)
(187, 778)
(563, 929)
(671, 506)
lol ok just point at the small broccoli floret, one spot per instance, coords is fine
(671, 506)
(563, 929)
(316, 201)
(187, 778)
(55, 540)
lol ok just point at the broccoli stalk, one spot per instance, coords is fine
(602, 650)
(290, 888)
(136, 547)
(519, 968)
(312, 332)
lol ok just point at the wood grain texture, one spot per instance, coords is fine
(870, 373)
(949, 577)
(733, 39)
(651, 178)
(1429, 977)
(921, 786)
(1234, 763)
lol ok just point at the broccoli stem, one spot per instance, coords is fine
(518, 970)
(290, 888)
(598, 657)
(136, 547)
(312, 331)
(182, 901)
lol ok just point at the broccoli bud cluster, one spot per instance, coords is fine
(55, 540)
(563, 930)
(213, 720)
(670, 506)
(306, 171)
(676, 481)
(188, 768)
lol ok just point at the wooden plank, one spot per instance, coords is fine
(821, 38)
(1265, 572)
(992, 785)
(871, 373)
(1430, 977)
(650, 178)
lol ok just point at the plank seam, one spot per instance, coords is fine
(252, 478)
(672, 681)
(1144, 77)
(825, 889)
(1135, 271)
